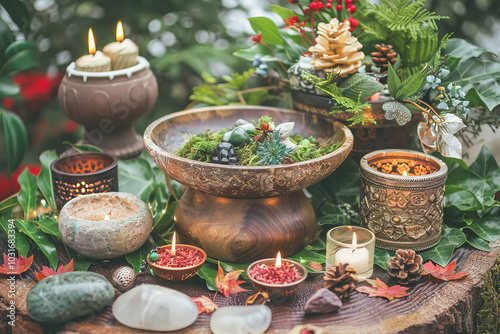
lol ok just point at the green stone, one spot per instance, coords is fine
(153, 257)
(69, 295)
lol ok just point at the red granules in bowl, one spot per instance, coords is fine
(184, 257)
(270, 274)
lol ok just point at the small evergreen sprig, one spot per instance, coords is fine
(273, 151)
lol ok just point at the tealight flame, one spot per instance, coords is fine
(173, 244)
(91, 42)
(278, 260)
(405, 173)
(106, 217)
(119, 32)
(354, 241)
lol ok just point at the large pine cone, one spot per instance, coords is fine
(405, 266)
(383, 56)
(336, 50)
(340, 279)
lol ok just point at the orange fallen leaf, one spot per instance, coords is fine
(228, 284)
(45, 272)
(445, 274)
(16, 266)
(205, 304)
(380, 289)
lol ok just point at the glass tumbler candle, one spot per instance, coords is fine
(354, 245)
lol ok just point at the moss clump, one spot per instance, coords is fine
(488, 318)
(248, 155)
(201, 146)
(308, 149)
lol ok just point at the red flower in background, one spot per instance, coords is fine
(9, 185)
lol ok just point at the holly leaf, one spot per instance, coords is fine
(204, 304)
(14, 265)
(444, 274)
(44, 272)
(228, 284)
(380, 289)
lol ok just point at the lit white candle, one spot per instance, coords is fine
(106, 217)
(278, 260)
(172, 250)
(358, 258)
(95, 61)
(123, 52)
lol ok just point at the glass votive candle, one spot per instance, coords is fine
(82, 174)
(353, 245)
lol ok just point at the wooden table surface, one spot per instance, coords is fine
(448, 307)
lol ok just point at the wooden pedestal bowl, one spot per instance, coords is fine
(239, 213)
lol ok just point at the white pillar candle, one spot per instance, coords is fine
(94, 61)
(123, 52)
(357, 258)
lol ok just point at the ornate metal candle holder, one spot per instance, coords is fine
(108, 103)
(404, 211)
(82, 174)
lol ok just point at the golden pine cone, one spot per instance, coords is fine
(340, 279)
(406, 266)
(336, 50)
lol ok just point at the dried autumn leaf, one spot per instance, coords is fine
(204, 304)
(445, 274)
(16, 266)
(380, 289)
(45, 272)
(260, 298)
(228, 284)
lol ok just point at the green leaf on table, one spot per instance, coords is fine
(83, 147)
(21, 243)
(461, 198)
(208, 273)
(286, 13)
(487, 227)
(19, 56)
(80, 262)
(9, 203)
(27, 194)
(451, 238)
(317, 245)
(475, 241)
(482, 178)
(136, 177)
(49, 225)
(8, 88)
(305, 256)
(135, 258)
(268, 29)
(381, 257)
(34, 233)
(16, 138)
(44, 179)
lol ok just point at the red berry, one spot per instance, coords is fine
(348, 2)
(351, 9)
(313, 5)
(330, 0)
(328, 5)
(303, 24)
(354, 23)
(320, 4)
(306, 11)
(351, 28)
(339, 1)
(339, 7)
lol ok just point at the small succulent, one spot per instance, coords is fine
(273, 151)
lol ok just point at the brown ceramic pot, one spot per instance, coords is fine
(108, 104)
(242, 213)
(177, 274)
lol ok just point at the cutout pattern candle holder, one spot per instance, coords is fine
(82, 174)
(404, 211)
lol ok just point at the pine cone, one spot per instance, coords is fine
(383, 57)
(336, 50)
(405, 266)
(340, 279)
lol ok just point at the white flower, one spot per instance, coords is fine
(440, 135)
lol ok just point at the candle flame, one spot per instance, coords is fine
(119, 32)
(278, 260)
(354, 240)
(106, 217)
(172, 250)
(92, 48)
(405, 173)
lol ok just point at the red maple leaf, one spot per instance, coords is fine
(380, 289)
(45, 272)
(205, 304)
(445, 274)
(228, 284)
(16, 266)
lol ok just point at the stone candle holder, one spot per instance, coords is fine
(84, 229)
(108, 104)
(403, 211)
(277, 291)
(83, 174)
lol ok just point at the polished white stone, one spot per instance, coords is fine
(155, 308)
(241, 319)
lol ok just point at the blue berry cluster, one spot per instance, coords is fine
(262, 68)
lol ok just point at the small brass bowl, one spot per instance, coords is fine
(277, 291)
(177, 274)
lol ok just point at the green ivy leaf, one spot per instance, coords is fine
(381, 257)
(208, 273)
(44, 179)
(21, 243)
(476, 241)
(269, 30)
(135, 258)
(461, 198)
(485, 93)
(317, 245)
(34, 233)
(16, 138)
(136, 177)
(460, 48)
(451, 238)
(488, 227)
(27, 194)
